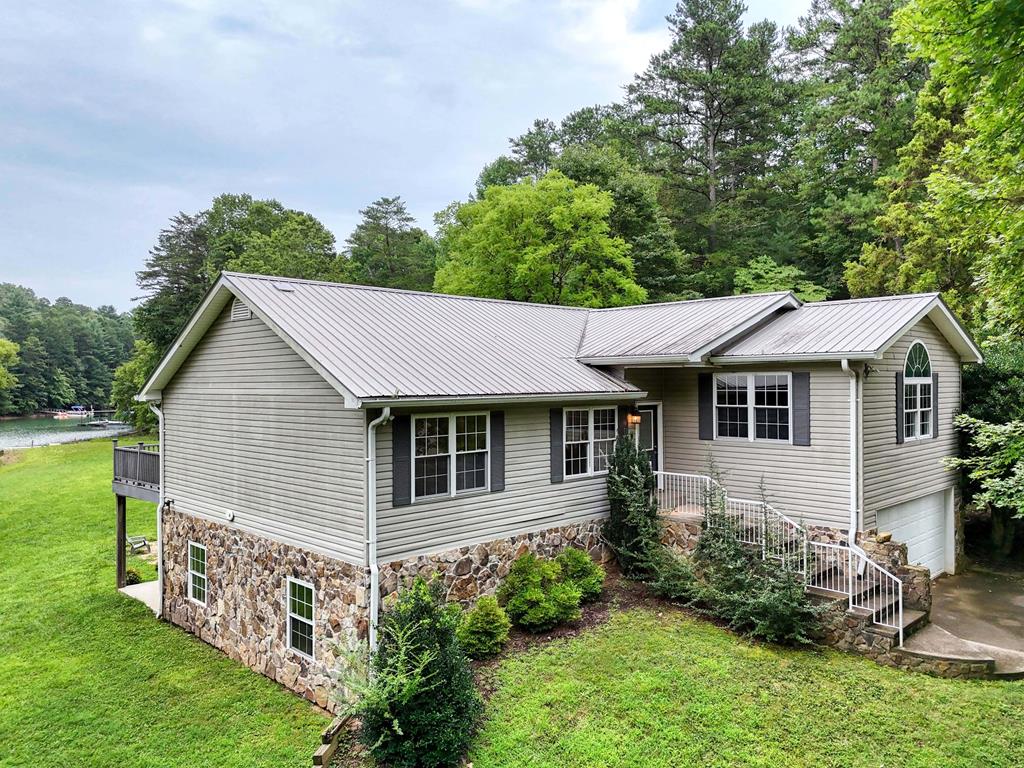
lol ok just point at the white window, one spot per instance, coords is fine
(300, 617)
(443, 466)
(589, 438)
(917, 393)
(197, 573)
(753, 406)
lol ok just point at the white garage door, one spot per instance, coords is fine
(921, 525)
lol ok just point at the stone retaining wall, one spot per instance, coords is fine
(892, 555)
(680, 533)
(245, 614)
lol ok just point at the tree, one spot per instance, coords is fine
(545, 241)
(386, 249)
(763, 275)
(128, 382)
(8, 359)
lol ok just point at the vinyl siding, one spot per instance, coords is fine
(894, 472)
(251, 429)
(808, 483)
(530, 501)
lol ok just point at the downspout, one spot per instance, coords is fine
(854, 452)
(160, 513)
(371, 519)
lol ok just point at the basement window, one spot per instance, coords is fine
(197, 583)
(300, 617)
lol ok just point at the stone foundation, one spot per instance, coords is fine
(892, 555)
(469, 572)
(681, 533)
(245, 614)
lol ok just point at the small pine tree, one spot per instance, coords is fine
(484, 628)
(633, 530)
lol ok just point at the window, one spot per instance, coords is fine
(446, 467)
(197, 573)
(300, 617)
(917, 393)
(589, 437)
(752, 406)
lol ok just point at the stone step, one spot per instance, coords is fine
(913, 622)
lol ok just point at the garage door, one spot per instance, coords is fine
(921, 525)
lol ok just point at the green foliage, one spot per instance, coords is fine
(579, 569)
(129, 379)
(764, 275)
(633, 530)
(8, 359)
(483, 631)
(535, 596)
(386, 249)
(131, 576)
(995, 461)
(421, 706)
(671, 576)
(994, 390)
(542, 241)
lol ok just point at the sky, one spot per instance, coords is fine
(114, 116)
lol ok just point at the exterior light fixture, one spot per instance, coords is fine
(633, 419)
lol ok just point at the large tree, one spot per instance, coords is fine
(544, 241)
(387, 249)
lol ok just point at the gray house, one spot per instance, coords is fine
(321, 442)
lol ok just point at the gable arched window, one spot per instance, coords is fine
(918, 394)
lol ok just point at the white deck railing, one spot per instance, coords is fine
(838, 568)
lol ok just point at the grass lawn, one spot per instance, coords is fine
(668, 690)
(88, 676)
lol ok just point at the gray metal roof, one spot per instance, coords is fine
(383, 343)
(682, 329)
(858, 327)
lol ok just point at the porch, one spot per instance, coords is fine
(136, 475)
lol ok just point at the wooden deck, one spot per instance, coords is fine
(137, 471)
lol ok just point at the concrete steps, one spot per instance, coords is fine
(939, 645)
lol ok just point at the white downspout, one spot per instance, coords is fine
(854, 452)
(371, 519)
(160, 513)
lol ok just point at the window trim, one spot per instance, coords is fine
(289, 615)
(452, 453)
(751, 420)
(591, 472)
(917, 381)
(204, 576)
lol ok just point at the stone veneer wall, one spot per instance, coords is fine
(471, 571)
(245, 613)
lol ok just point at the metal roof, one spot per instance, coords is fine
(682, 330)
(858, 328)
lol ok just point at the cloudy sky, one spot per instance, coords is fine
(114, 116)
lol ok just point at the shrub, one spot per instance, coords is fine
(131, 576)
(633, 529)
(535, 596)
(421, 706)
(671, 576)
(578, 568)
(484, 629)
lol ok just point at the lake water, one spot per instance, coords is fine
(43, 430)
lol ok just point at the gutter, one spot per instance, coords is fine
(855, 440)
(160, 512)
(587, 397)
(371, 520)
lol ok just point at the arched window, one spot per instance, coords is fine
(918, 398)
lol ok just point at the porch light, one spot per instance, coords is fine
(633, 419)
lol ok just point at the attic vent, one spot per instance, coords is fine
(285, 287)
(239, 311)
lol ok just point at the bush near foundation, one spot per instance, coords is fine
(536, 597)
(483, 631)
(578, 568)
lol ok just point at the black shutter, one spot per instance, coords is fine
(935, 405)
(401, 461)
(705, 406)
(801, 408)
(557, 452)
(899, 407)
(497, 451)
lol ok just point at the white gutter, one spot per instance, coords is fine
(854, 450)
(371, 520)
(160, 513)
(588, 397)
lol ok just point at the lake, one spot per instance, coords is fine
(43, 430)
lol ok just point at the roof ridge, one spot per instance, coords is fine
(866, 299)
(694, 301)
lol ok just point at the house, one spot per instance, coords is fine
(320, 442)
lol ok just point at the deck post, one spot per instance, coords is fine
(122, 541)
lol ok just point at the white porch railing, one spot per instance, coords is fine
(838, 568)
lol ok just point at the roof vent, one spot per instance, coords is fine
(239, 310)
(286, 287)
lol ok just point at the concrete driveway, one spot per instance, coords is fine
(981, 606)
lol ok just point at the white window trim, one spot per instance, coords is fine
(917, 381)
(591, 472)
(195, 574)
(289, 615)
(451, 416)
(751, 423)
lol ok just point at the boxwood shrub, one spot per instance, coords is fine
(578, 568)
(484, 629)
(536, 597)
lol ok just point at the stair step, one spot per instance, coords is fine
(913, 620)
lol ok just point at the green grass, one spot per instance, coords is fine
(650, 690)
(88, 676)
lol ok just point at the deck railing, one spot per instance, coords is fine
(137, 464)
(830, 567)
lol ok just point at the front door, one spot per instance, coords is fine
(647, 433)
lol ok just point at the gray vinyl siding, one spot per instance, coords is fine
(897, 472)
(808, 483)
(530, 501)
(252, 429)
